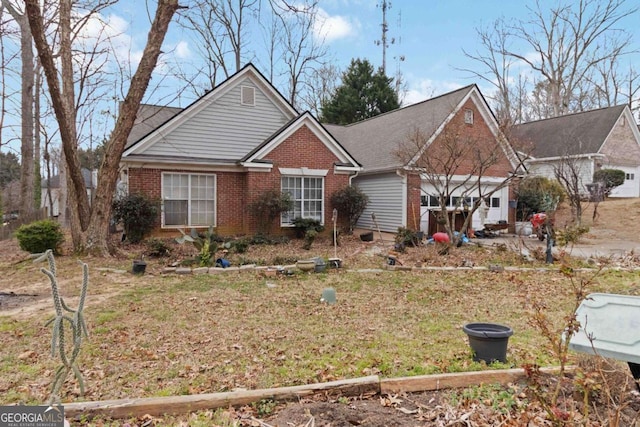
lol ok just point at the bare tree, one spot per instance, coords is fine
(221, 27)
(573, 43)
(458, 164)
(568, 44)
(569, 172)
(302, 49)
(90, 223)
(321, 87)
(27, 109)
(497, 69)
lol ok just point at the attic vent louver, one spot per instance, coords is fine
(247, 95)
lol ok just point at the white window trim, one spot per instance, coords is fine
(215, 200)
(289, 175)
(468, 116)
(304, 172)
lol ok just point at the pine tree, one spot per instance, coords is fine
(362, 94)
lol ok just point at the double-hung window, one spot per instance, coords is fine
(307, 196)
(188, 199)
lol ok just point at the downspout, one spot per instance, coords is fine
(351, 178)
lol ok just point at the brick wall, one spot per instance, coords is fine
(230, 196)
(236, 190)
(301, 149)
(621, 147)
(473, 141)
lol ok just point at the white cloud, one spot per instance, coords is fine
(423, 89)
(182, 50)
(334, 27)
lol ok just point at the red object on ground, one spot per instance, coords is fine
(538, 219)
(440, 237)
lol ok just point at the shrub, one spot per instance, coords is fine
(350, 201)
(157, 248)
(39, 236)
(137, 214)
(534, 192)
(269, 205)
(406, 237)
(611, 178)
(309, 238)
(303, 225)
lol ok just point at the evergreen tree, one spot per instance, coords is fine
(9, 168)
(362, 94)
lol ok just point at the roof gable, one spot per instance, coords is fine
(219, 125)
(374, 141)
(345, 162)
(570, 135)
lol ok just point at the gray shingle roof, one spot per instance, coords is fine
(373, 141)
(149, 118)
(573, 134)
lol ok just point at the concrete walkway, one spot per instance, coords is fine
(586, 248)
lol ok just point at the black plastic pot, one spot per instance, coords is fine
(367, 237)
(488, 341)
(138, 267)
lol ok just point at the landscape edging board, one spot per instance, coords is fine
(158, 406)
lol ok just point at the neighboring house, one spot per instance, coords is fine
(208, 162)
(50, 197)
(398, 194)
(591, 140)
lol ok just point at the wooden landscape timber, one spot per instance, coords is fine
(175, 405)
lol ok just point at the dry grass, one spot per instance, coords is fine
(158, 335)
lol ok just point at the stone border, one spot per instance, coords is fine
(274, 270)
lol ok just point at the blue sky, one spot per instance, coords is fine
(429, 34)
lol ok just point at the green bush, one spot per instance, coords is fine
(268, 206)
(39, 236)
(138, 215)
(351, 202)
(534, 192)
(611, 178)
(304, 225)
(157, 248)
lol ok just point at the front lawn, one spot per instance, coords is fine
(158, 335)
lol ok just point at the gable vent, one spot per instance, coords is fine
(247, 95)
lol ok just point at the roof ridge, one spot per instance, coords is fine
(573, 114)
(386, 113)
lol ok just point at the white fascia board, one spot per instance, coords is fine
(303, 171)
(573, 156)
(346, 169)
(257, 167)
(173, 165)
(467, 178)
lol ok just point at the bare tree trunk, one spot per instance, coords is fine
(89, 226)
(98, 227)
(27, 78)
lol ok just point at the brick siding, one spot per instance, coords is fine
(236, 190)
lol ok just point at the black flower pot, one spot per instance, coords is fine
(139, 267)
(367, 237)
(488, 341)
